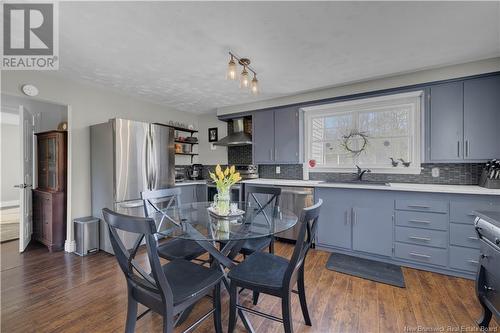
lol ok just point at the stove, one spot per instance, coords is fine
(488, 275)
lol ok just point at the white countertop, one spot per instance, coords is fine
(190, 182)
(433, 188)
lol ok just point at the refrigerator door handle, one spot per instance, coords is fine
(154, 161)
(146, 161)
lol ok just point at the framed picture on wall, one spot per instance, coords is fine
(213, 134)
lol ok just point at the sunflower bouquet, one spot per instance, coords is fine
(223, 181)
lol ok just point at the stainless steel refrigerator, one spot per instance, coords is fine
(128, 157)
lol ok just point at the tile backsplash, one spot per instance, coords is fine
(449, 173)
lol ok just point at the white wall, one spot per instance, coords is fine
(10, 157)
(47, 115)
(207, 155)
(88, 105)
(436, 74)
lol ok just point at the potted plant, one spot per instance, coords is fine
(224, 180)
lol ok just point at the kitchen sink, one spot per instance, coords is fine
(356, 181)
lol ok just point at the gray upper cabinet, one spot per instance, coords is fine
(277, 136)
(464, 120)
(263, 137)
(482, 118)
(287, 135)
(446, 122)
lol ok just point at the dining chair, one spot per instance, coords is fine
(273, 275)
(160, 201)
(169, 289)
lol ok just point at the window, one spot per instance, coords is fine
(390, 124)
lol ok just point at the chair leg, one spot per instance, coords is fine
(255, 297)
(233, 299)
(168, 323)
(131, 314)
(271, 245)
(218, 311)
(302, 296)
(286, 308)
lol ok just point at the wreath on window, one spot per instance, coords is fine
(349, 139)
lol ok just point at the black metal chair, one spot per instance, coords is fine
(169, 289)
(270, 274)
(176, 248)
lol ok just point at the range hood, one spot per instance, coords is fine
(236, 137)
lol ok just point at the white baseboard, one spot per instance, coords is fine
(69, 246)
(12, 203)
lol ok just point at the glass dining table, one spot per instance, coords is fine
(197, 222)
(223, 237)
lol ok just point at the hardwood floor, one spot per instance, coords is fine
(60, 292)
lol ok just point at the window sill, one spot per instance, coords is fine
(397, 170)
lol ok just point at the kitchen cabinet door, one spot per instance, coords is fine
(372, 228)
(287, 135)
(482, 118)
(446, 122)
(188, 194)
(263, 137)
(334, 223)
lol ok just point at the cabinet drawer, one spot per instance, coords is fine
(461, 212)
(463, 235)
(428, 255)
(422, 236)
(423, 205)
(464, 258)
(422, 220)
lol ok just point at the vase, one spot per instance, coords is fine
(222, 202)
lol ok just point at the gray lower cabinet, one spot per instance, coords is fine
(359, 220)
(334, 224)
(430, 231)
(193, 193)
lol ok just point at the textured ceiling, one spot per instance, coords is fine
(175, 54)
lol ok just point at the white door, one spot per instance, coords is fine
(26, 127)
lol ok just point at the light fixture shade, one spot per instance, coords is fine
(244, 79)
(254, 85)
(231, 70)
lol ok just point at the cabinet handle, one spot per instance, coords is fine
(275, 153)
(458, 148)
(425, 239)
(419, 255)
(271, 154)
(354, 216)
(346, 217)
(473, 261)
(420, 221)
(466, 148)
(473, 238)
(418, 206)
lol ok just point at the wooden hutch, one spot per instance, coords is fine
(49, 198)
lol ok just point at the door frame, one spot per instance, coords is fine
(69, 244)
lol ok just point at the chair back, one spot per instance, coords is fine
(135, 274)
(308, 227)
(156, 200)
(274, 197)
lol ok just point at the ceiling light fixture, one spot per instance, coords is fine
(245, 81)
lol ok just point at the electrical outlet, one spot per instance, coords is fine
(213, 147)
(278, 169)
(435, 172)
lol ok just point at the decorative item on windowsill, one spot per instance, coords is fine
(221, 206)
(490, 176)
(349, 139)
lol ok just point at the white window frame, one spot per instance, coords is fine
(416, 120)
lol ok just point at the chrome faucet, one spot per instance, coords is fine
(361, 172)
